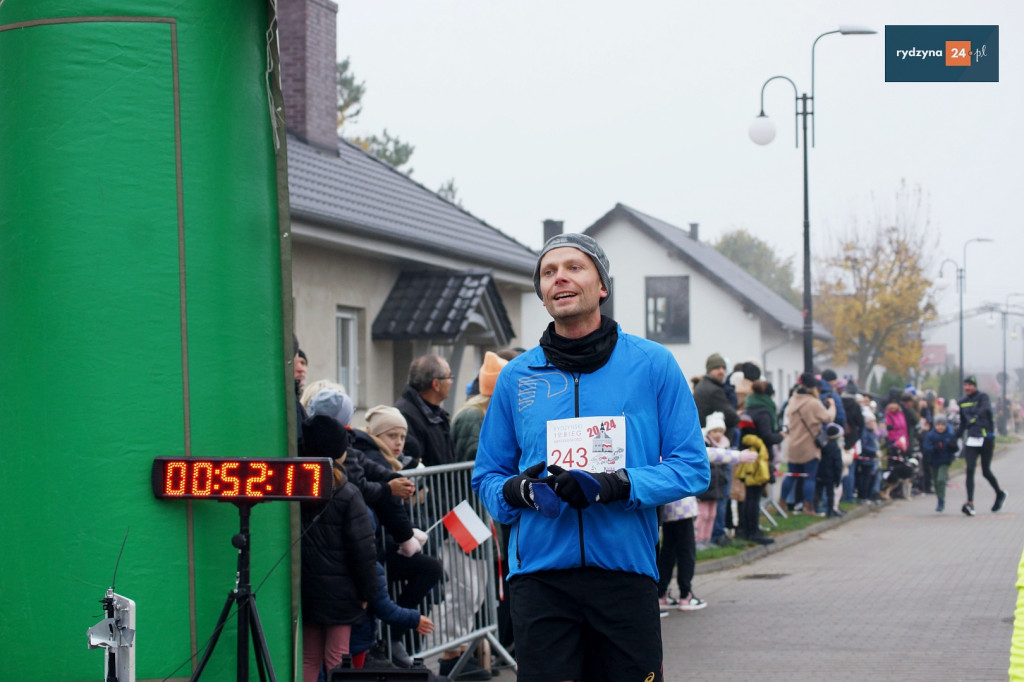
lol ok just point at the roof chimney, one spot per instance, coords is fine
(552, 228)
(307, 32)
(694, 231)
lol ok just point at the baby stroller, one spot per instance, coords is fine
(900, 471)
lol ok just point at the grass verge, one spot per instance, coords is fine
(794, 522)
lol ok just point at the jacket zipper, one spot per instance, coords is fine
(579, 512)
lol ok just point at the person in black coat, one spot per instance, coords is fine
(854, 427)
(382, 488)
(976, 428)
(417, 572)
(339, 573)
(829, 471)
(430, 426)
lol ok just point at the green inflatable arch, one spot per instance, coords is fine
(145, 276)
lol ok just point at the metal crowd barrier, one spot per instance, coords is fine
(464, 604)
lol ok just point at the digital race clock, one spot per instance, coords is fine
(241, 479)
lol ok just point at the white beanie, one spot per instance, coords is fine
(715, 420)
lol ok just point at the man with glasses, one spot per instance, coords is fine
(429, 438)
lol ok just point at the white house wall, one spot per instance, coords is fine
(718, 323)
(781, 358)
(323, 280)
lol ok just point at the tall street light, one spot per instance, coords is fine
(961, 286)
(762, 131)
(960, 291)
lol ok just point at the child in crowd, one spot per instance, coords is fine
(720, 455)
(381, 607)
(897, 444)
(897, 435)
(830, 471)
(940, 451)
(338, 556)
(754, 475)
(678, 548)
(867, 460)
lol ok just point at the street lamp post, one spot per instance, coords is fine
(961, 286)
(960, 291)
(762, 131)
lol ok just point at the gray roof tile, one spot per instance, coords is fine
(437, 305)
(357, 192)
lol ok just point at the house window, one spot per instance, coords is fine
(668, 309)
(348, 351)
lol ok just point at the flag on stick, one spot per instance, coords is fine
(466, 527)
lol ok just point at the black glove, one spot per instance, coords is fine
(526, 491)
(580, 488)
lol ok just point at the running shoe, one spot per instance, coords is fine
(941, 506)
(968, 508)
(1000, 498)
(692, 604)
(667, 602)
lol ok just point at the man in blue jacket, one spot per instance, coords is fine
(611, 419)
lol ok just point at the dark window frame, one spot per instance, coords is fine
(667, 309)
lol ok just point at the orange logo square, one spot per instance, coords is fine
(958, 53)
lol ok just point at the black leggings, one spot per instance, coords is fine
(678, 549)
(750, 511)
(971, 457)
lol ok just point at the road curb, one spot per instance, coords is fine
(783, 541)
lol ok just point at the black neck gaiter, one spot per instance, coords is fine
(585, 354)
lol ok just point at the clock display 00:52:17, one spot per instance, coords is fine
(241, 478)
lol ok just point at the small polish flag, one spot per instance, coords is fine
(466, 527)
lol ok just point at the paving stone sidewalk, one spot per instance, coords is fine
(896, 593)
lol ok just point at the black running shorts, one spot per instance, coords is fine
(586, 624)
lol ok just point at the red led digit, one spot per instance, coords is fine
(315, 468)
(174, 478)
(260, 477)
(233, 480)
(202, 484)
(289, 482)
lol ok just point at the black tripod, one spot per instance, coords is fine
(248, 618)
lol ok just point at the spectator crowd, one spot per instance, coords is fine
(824, 443)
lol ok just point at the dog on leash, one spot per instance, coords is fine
(901, 473)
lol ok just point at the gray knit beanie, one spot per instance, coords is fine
(583, 243)
(332, 403)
